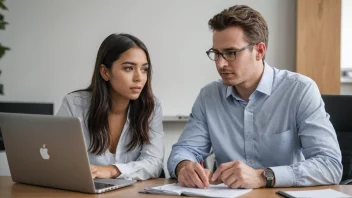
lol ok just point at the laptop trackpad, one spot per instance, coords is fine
(118, 182)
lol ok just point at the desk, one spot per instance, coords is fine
(10, 189)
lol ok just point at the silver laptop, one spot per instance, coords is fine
(50, 151)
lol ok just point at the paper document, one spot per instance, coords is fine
(220, 190)
(325, 193)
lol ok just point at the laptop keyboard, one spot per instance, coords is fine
(101, 185)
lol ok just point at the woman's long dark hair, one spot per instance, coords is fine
(140, 110)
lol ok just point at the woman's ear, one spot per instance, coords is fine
(104, 72)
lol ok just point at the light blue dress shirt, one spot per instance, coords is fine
(284, 126)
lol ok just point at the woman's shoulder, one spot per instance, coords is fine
(157, 108)
(157, 102)
(79, 98)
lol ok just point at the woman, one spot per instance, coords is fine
(121, 119)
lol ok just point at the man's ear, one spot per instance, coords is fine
(261, 50)
(104, 72)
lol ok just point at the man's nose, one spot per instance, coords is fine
(221, 62)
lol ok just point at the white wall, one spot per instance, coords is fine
(346, 43)
(346, 32)
(4, 167)
(54, 44)
(346, 88)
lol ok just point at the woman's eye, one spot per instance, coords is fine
(146, 69)
(128, 68)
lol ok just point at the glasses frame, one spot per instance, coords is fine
(211, 50)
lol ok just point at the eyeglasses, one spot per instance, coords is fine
(229, 55)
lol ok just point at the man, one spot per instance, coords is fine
(267, 127)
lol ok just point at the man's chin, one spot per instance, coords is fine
(228, 83)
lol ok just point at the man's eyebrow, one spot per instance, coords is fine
(230, 49)
(226, 49)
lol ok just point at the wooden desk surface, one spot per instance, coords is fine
(10, 189)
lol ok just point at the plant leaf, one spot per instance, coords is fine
(2, 5)
(3, 50)
(3, 24)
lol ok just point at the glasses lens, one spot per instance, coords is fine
(230, 56)
(212, 55)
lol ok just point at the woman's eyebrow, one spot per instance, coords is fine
(134, 64)
(128, 63)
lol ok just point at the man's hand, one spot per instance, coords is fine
(104, 171)
(236, 174)
(192, 174)
(210, 175)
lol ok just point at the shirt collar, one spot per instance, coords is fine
(266, 82)
(264, 86)
(230, 91)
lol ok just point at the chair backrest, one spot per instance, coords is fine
(162, 174)
(339, 107)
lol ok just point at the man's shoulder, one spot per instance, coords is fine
(292, 78)
(213, 87)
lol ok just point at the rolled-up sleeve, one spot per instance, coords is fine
(149, 164)
(322, 164)
(194, 142)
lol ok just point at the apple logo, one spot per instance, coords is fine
(44, 153)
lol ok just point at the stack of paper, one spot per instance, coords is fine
(220, 190)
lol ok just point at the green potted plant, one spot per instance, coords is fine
(3, 49)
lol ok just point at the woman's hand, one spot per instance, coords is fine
(105, 172)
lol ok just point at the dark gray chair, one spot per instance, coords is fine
(162, 174)
(339, 107)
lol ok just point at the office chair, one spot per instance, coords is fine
(339, 107)
(162, 174)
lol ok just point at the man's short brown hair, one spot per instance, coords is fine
(249, 20)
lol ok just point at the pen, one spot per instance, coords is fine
(282, 193)
(202, 163)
